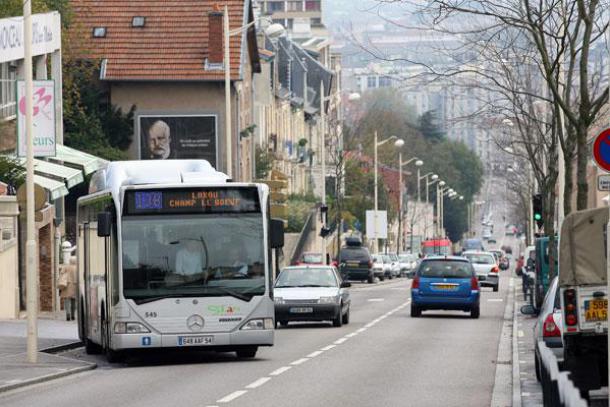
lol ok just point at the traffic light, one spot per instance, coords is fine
(537, 206)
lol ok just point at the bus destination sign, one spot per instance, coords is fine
(192, 200)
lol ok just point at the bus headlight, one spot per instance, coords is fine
(130, 328)
(256, 324)
(329, 300)
(279, 300)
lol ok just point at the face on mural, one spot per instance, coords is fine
(159, 140)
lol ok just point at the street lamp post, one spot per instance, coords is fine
(400, 165)
(399, 143)
(418, 164)
(439, 187)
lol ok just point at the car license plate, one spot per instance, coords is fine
(596, 310)
(195, 340)
(301, 310)
(353, 263)
(445, 287)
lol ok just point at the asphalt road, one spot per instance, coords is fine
(382, 358)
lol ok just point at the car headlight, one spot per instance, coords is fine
(279, 300)
(130, 328)
(257, 324)
(329, 300)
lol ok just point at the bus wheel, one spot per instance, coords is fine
(114, 356)
(92, 348)
(247, 353)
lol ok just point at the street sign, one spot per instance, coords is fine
(601, 150)
(379, 232)
(43, 118)
(603, 182)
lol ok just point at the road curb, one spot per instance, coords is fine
(46, 378)
(502, 392)
(516, 367)
(61, 348)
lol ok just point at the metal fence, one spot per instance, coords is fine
(557, 388)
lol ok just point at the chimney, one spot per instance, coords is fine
(215, 39)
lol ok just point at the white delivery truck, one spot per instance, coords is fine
(584, 297)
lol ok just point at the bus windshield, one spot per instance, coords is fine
(193, 256)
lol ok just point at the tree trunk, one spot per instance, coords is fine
(569, 184)
(581, 167)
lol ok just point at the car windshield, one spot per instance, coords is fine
(312, 258)
(354, 254)
(445, 269)
(193, 255)
(480, 258)
(306, 277)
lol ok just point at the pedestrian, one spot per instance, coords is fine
(66, 283)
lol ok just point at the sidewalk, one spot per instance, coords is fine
(530, 388)
(16, 372)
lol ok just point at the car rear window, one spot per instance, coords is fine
(355, 254)
(445, 269)
(312, 258)
(480, 258)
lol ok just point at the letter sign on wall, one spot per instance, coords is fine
(43, 118)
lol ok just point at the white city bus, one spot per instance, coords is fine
(171, 254)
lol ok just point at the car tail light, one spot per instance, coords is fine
(415, 282)
(569, 299)
(550, 329)
(474, 283)
(495, 269)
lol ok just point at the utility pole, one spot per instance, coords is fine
(399, 238)
(323, 158)
(227, 66)
(30, 245)
(376, 208)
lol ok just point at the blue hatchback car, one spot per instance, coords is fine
(445, 283)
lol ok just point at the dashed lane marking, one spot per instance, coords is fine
(376, 299)
(314, 354)
(258, 383)
(340, 341)
(232, 396)
(279, 371)
(329, 347)
(495, 299)
(299, 361)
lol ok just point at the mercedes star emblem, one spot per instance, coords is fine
(194, 323)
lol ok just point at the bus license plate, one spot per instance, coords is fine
(195, 340)
(596, 310)
(301, 310)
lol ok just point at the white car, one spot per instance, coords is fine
(486, 267)
(408, 262)
(395, 265)
(311, 293)
(381, 268)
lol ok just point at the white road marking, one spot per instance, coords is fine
(340, 341)
(329, 347)
(520, 334)
(351, 335)
(299, 361)
(232, 396)
(314, 354)
(376, 299)
(495, 299)
(511, 282)
(279, 371)
(258, 383)
(370, 324)
(526, 394)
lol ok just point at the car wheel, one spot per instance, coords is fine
(92, 348)
(371, 279)
(415, 311)
(338, 321)
(475, 312)
(346, 317)
(391, 276)
(496, 288)
(381, 278)
(247, 353)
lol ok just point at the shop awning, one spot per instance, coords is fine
(70, 176)
(56, 189)
(87, 162)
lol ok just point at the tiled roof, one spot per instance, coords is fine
(172, 45)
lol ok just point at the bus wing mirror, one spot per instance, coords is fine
(277, 233)
(104, 224)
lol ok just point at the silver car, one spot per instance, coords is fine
(549, 324)
(311, 293)
(485, 266)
